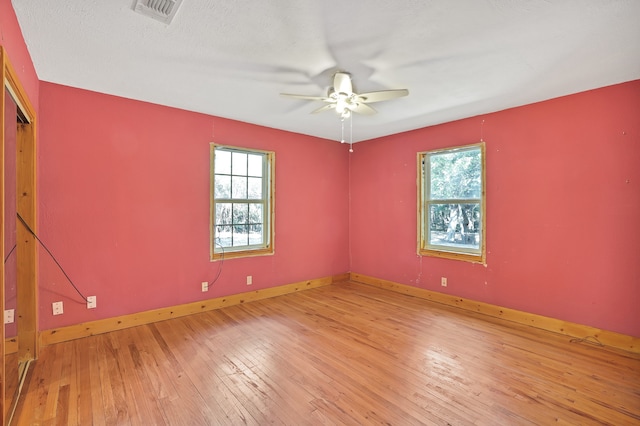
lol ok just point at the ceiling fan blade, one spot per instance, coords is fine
(383, 95)
(364, 109)
(323, 108)
(308, 97)
(342, 83)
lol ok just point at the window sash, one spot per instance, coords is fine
(453, 245)
(233, 225)
(229, 226)
(458, 245)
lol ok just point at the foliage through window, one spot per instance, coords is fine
(241, 203)
(452, 213)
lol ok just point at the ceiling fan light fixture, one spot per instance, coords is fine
(343, 98)
(346, 102)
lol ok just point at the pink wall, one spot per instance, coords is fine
(13, 42)
(124, 205)
(563, 204)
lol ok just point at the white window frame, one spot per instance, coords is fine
(425, 202)
(217, 252)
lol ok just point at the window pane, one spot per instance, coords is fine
(455, 225)
(223, 214)
(223, 236)
(239, 187)
(255, 188)
(255, 213)
(223, 162)
(240, 213)
(239, 164)
(255, 165)
(255, 234)
(223, 186)
(456, 174)
(240, 235)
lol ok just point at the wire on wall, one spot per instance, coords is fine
(221, 263)
(6, 259)
(9, 255)
(28, 228)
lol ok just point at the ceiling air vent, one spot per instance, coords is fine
(161, 10)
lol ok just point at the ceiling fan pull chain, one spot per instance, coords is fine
(351, 133)
(342, 135)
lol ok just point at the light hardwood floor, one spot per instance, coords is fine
(341, 354)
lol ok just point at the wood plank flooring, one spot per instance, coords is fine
(11, 382)
(342, 354)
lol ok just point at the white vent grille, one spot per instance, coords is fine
(161, 10)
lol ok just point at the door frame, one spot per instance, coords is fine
(26, 244)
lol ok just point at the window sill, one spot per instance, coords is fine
(241, 253)
(466, 257)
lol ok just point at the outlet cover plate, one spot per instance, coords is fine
(9, 316)
(92, 303)
(57, 308)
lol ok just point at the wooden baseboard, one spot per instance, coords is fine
(607, 338)
(63, 334)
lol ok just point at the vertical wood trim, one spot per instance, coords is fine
(2, 236)
(26, 250)
(483, 150)
(420, 206)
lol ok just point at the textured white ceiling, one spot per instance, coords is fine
(458, 58)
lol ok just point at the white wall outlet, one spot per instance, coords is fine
(205, 286)
(443, 282)
(91, 302)
(57, 308)
(249, 280)
(9, 316)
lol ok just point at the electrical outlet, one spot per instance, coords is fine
(249, 280)
(9, 316)
(57, 308)
(443, 282)
(91, 302)
(205, 286)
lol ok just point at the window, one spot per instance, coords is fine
(241, 202)
(452, 204)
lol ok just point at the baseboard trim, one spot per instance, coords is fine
(607, 338)
(76, 331)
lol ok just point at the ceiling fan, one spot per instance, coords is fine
(345, 101)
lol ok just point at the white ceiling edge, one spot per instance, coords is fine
(458, 59)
